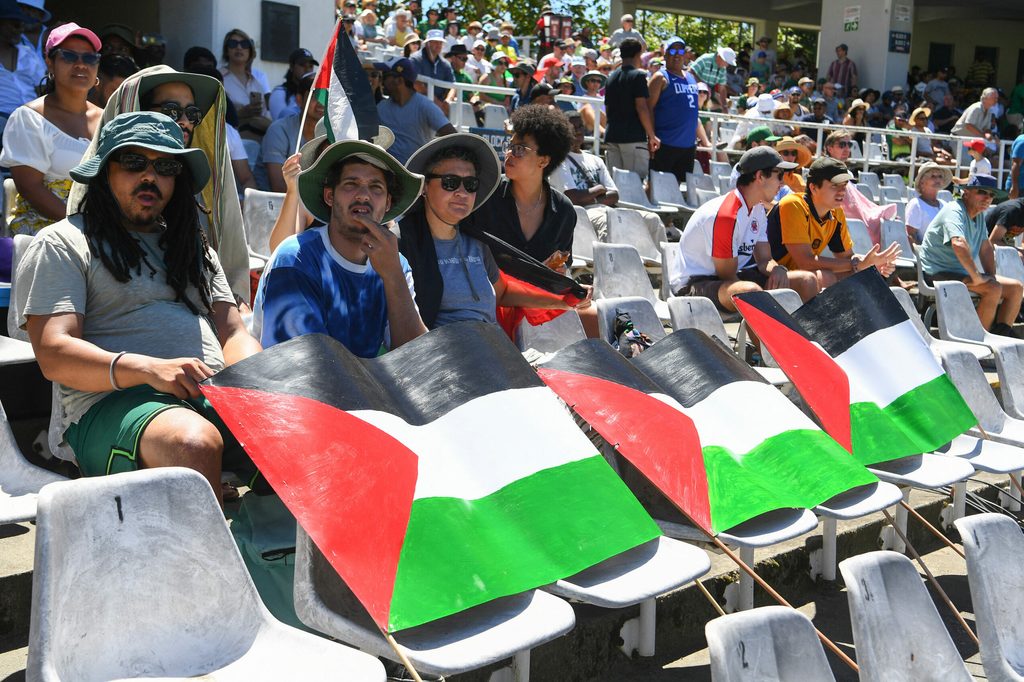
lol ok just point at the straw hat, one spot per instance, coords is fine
(920, 111)
(932, 167)
(803, 154)
(857, 104)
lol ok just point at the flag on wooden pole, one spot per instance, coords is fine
(341, 85)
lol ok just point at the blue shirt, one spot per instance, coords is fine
(279, 141)
(309, 288)
(675, 114)
(468, 271)
(439, 69)
(415, 123)
(1017, 152)
(937, 253)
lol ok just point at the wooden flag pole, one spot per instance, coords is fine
(931, 578)
(401, 656)
(935, 531)
(779, 598)
(709, 597)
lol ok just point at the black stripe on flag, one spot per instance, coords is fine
(419, 382)
(595, 358)
(356, 84)
(845, 313)
(689, 365)
(522, 265)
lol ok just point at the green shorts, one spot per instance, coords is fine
(106, 439)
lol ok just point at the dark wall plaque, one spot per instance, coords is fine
(279, 31)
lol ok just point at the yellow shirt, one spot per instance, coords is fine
(794, 221)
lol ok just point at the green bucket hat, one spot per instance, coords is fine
(149, 130)
(311, 180)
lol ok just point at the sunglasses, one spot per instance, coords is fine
(673, 52)
(517, 150)
(137, 163)
(233, 43)
(192, 113)
(777, 173)
(788, 152)
(72, 57)
(450, 183)
(845, 144)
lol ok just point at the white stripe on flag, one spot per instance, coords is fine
(339, 111)
(743, 414)
(485, 444)
(887, 364)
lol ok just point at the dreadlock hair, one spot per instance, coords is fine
(183, 241)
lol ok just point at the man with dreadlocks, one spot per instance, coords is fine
(128, 308)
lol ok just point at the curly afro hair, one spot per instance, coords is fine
(549, 128)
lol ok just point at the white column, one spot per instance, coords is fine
(868, 27)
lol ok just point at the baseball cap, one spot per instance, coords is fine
(674, 40)
(828, 169)
(752, 81)
(399, 65)
(761, 134)
(703, 87)
(976, 143)
(65, 31)
(302, 55)
(578, 61)
(728, 55)
(435, 34)
(762, 158)
(794, 91)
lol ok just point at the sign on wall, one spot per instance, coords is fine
(851, 18)
(902, 13)
(899, 41)
(279, 30)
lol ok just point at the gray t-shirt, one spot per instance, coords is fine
(469, 272)
(58, 274)
(415, 123)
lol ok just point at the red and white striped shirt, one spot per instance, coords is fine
(722, 228)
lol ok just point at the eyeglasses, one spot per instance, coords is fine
(788, 152)
(233, 43)
(673, 52)
(450, 183)
(192, 113)
(137, 163)
(72, 57)
(844, 144)
(517, 150)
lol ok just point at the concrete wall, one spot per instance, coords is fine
(1004, 35)
(869, 44)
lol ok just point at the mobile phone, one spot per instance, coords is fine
(255, 99)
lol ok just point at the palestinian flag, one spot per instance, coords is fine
(713, 436)
(434, 478)
(860, 365)
(342, 86)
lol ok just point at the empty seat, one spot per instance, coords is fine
(720, 168)
(945, 195)
(859, 234)
(892, 195)
(1008, 263)
(632, 195)
(870, 179)
(553, 335)
(619, 271)
(937, 345)
(706, 195)
(895, 232)
(136, 576)
(495, 116)
(925, 291)
(20, 481)
(583, 238)
(260, 214)
(461, 115)
(671, 267)
(994, 548)
(896, 629)
(665, 189)
(855, 151)
(896, 182)
(697, 312)
(641, 314)
(769, 643)
(626, 226)
(958, 319)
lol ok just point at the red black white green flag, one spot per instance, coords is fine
(713, 436)
(437, 477)
(865, 372)
(342, 86)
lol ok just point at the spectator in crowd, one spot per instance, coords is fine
(724, 250)
(710, 68)
(113, 69)
(673, 104)
(542, 94)
(128, 308)
(595, 118)
(753, 118)
(366, 28)
(946, 116)
(496, 76)
(1005, 223)
(474, 34)
(578, 69)
(199, 57)
(922, 209)
(457, 57)
(429, 63)
(413, 44)
(506, 44)
(245, 86)
(626, 32)
(838, 146)
(280, 141)
(34, 31)
(477, 65)
(118, 39)
(832, 101)
(979, 164)
(452, 35)
(937, 88)
(585, 180)
(759, 68)
(817, 114)
(45, 138)
(1015, 179)
(783, 113)
(981, 73)
(797, 110)
(630, 139)
(956, 241)
(792, 151)
(842, 71)
(283, 99)
(522, 81)
(410, 115)
(237, 152)
(856, 115)
(926, 149)
(21, 68)
(347, 278)
(525, 210)
(455, 275)
(431, 23)
(801, 226)
(402, 29)
(187, 98)
(806, 86)
(764, 44)
(152, 50)
(977, 119)
(293, 217)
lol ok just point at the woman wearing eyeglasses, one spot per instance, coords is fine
(455, 275)
(47, 137)
(245, 86)
(838, 145)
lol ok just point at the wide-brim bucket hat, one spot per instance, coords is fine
(149, 130)
(489, 171)
(932, 167)
(204, 88)
(311, 180)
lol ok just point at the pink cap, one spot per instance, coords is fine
(65, 31)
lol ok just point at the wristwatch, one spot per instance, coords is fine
(854, 263)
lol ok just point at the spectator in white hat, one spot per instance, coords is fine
(429, 63)
(626, 31)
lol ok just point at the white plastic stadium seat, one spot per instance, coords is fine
(627, 226)
(896, 629)
(895, 231)
(866, 191)
(769, 643)
(619, 271)
(20, 481)
(10, 191)
(495, 116)
(870, 179)
(896, 182)
(583, 238)
(860, 236)
(1008, 263)
(936, 345)
(632, 195)
(137, 576)
(461, 115)
(641, 313)
(553, 335)
(260, 214)
(665, 189)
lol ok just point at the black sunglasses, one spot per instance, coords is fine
(233, 42)
(137, 163)
(845, 144)
(193, 113)
(72, 57)
(450, 183)
(673, 52)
